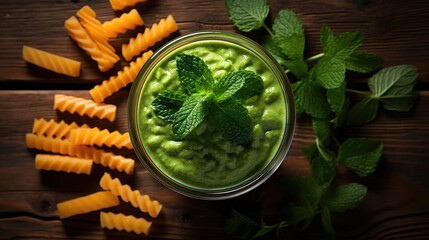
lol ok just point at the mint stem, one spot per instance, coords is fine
(268, 29)
(279, 225)
(357, 91)
(317, 56)
(312, 58)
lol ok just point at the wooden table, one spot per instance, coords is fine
(397, 205)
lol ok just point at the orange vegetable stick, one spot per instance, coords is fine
(86, 204)
(126, 21)
(52, 128)
(51, 61)
(122, 79)
(63, 146)
(95, 29)
(138, 200)
(123, 222)
(149, 37)
(121, 4)
(63, 163)
(84, 107)
(95, 136)
(85, 42)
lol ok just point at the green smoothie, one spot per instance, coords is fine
(205, 160)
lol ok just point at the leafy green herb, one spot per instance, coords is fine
(167, 104)
(321, 92)
(203, 97)
(330, 72)
(345, 197)
(311, 99)
(233, 121)
(393, 87)
(190, 115)
(360, 155)
(326, 222)
(194, 75)
(363, 62)
(243, 227)
(363, 112)
(341, 46)
(247, 15)
(288, 35)
(339, 103)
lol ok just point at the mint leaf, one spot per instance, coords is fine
(311, 99)
(302, 190)
(322, 130)
(310, 151)
(233, 121)
(363, 112)
(402, 103)
(299, 215)
(167, 103)
(227, 86)
(363, 62)
(303, 195)
(241, 226)
(270, 46)
(288, 35)
(190, 115)
(194, 75)
(339, 103)
(326, 222)
(394, 87)
(337, 97)
(345, 197)
(241, 84)
(360, 155)
(326, 37)
(329, 72)
(392, 78)
(247, 15)
(340, 46)
(327, 154)
(322, 171)
(253, 85)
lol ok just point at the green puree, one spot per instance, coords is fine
(205, 159)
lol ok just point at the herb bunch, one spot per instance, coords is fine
(321, 92)
(203, 97)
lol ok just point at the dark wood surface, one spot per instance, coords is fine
(397, 205)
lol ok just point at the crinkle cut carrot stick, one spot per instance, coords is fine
(51, 61)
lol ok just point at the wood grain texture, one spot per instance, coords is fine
(397, 205)
(396, 30)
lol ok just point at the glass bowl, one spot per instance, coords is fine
(204, 165)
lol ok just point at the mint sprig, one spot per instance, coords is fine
(321, 92)
(393, 87)
(206, 98)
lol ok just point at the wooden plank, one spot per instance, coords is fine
(397, 202)
(397, 31)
